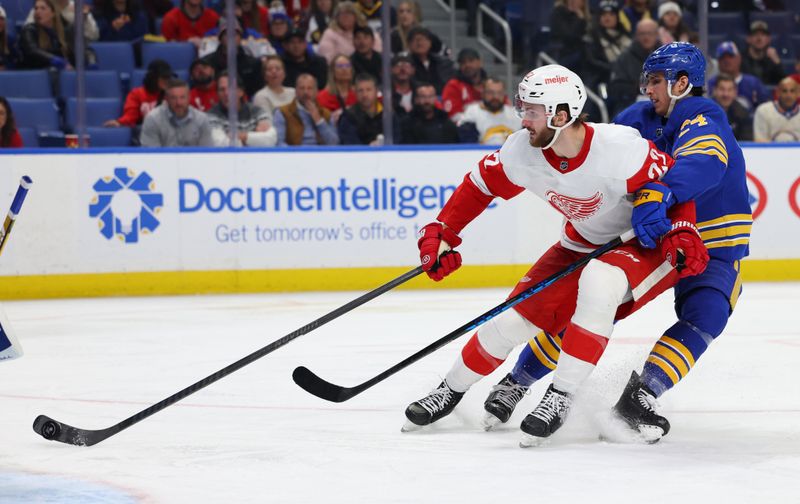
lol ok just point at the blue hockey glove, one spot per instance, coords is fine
(649, 219)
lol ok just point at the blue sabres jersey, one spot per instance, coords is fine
(709, 168)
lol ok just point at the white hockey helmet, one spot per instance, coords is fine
(552, 85)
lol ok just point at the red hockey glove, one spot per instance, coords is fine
(435, 250)
(684, 249)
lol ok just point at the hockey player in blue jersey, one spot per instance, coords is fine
(709, 169)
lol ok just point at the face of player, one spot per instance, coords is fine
(366, 94)
(725, 93)
(178, 101)
(534, 120)
(655, 88)
(494, 96)
(788, 91)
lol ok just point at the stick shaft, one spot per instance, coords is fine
(22, 191)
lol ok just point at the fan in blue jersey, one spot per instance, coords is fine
(709, 169)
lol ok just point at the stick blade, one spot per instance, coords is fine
(63, 433)
(313, 384)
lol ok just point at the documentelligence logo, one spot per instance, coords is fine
(126, 205)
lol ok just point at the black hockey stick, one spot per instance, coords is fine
(57, 431)
(313, 384)
(22, 191)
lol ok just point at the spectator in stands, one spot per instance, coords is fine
(671, 27)
(428, 67)
(427, 124)
(724, 93)
(9, 136)
(295, 9)
(273, 94)
(66, 8)
(279, 29)
(253, 16)
(634, 11)
(254, 128)
(248, 67)
(409, 15)
(203, 94)
(371, 10)
(365, 59)
(751, 91)
(362, 122)
(626, 70)
(297, 59)
(7, 44)
(402, 88)
(760, 58)
(122, 21)
(144, 99)
(319, 16)
(338, 37)
(154, 9)
(338, 93)
(608, 41)
(174, 123)
(779, 120)
(491, 120)
(48, 41)
(467, 85)
(303, 121)
(569, 27)
(189, 22)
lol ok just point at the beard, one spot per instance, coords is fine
(541, 139)
(493, 105)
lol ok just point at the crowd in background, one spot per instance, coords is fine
(309, 72)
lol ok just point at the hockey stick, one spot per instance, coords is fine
(57, 431)
(313, 384)
(16, 204)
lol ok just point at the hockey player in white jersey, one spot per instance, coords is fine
(590, 173)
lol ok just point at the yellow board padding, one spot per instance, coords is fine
(297, 280)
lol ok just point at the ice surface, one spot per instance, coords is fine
(256, 437)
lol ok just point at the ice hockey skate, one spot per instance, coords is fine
(501, 402)
(437, 404)
(548, 416)
(636, 407)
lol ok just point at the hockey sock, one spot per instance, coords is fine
(488, 348)
(579, 355)
(704, 314)
(538, 358)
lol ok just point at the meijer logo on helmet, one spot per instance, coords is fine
(556, 80)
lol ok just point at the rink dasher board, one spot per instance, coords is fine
(169, 221)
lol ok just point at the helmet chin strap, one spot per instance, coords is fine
(674, 99)
(557, 129)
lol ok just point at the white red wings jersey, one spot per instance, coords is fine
(593, 191)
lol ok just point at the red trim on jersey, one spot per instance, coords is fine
(495, 178)
(655, 165)
(466, 203)
(576, 237)
(477, 358)
(571, 163)
(683, 212)
(582, 344)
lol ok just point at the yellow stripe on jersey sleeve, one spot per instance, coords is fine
(728, 243)
(708, 144)
(726, 231)
(726, 218)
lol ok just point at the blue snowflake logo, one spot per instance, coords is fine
(126, 205)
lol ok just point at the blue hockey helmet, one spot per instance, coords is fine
(676, 57)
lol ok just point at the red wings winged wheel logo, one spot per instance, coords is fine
(575, 209)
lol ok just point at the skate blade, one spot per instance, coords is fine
(614, 430)
(410, 426)
(489, 422)
(529, 441)
(650, 434)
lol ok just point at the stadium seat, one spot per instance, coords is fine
(179, 55)
(138, 76)
(782, 22)
(25, 84)
(97, 83)
(726, 23)
(109, 137)
(38, 113)
(98, 111)
(115, 56)
(29, 137)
